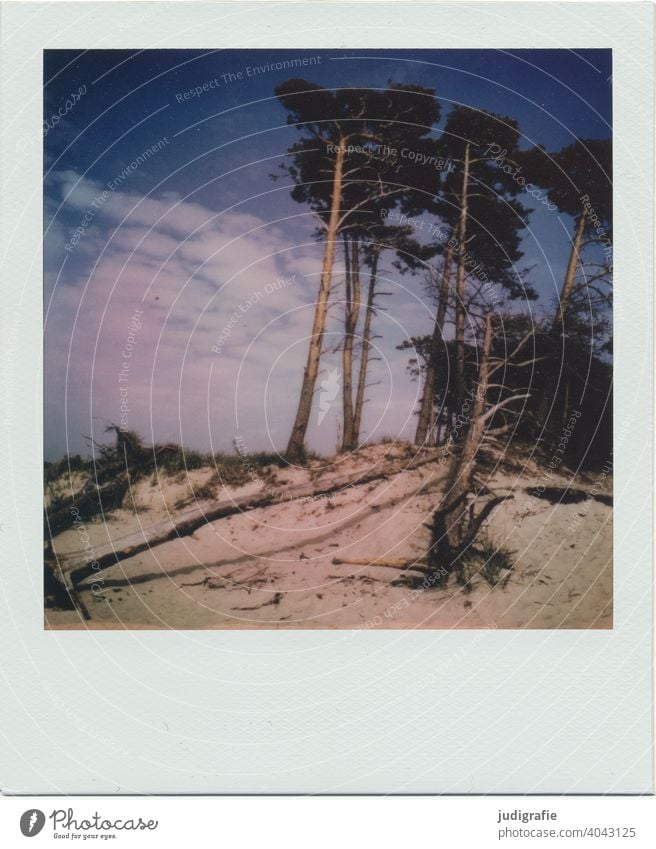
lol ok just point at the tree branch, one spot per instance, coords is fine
(501, 404)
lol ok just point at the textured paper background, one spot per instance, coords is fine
(430, 711)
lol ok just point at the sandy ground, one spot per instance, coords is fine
(273, 567)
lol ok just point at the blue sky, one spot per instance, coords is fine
(197, 229)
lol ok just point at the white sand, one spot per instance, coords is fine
(272, 568)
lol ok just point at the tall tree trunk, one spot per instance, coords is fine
(425, 420)
(460, 286)
(564, 416)
(454, 526)
(366, 346)
(351, 315)
(570, 274)
(462, 473)
(550, 387)
(295, 446)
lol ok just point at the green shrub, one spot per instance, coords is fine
(490, 560)
(496, 559)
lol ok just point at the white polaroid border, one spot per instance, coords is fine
(316, 711)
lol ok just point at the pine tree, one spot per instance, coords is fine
(477, 204)
(345, 163)
(577, 180)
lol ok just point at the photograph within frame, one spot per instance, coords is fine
(328, 339)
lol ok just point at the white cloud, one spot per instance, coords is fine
(189, 270)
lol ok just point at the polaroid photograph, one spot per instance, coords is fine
(337, 354)
(329, 387)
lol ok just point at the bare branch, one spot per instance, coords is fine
(362, 203)
(514, 353)
(501, 404)
(497, 431)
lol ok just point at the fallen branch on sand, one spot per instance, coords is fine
(277, 598)
(403, 565)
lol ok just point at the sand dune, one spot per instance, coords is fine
(274, 567)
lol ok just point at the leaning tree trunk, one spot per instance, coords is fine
(295, 446)
(564, 415)
(460, 287)
(550, 388)
(454, 526)
(425, 420)
(570, 274)
(366, 346)
(351, 314)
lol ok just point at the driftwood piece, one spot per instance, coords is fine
(404, 565)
